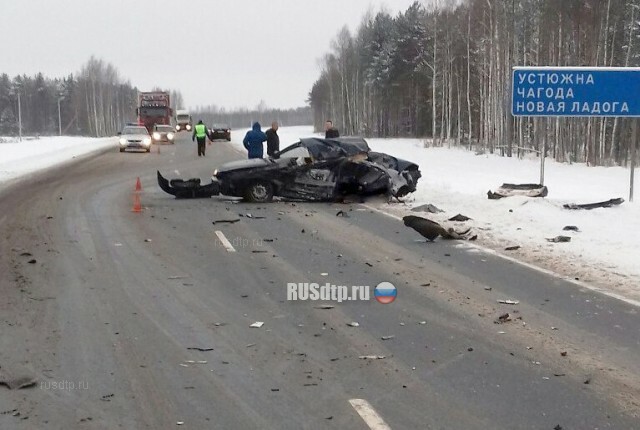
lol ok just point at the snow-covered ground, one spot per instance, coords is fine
(604, 251)
(18, 159)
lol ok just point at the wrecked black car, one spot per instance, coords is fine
(315, 169)
(319, 170)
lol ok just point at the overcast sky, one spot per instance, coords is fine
(231, 53)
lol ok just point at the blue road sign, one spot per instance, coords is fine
(576, 91)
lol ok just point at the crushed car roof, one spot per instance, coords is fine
(331, 148)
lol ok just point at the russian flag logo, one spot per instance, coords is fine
(385, 292)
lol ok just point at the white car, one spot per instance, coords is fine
(134, 137)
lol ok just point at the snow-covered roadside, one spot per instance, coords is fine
(18, 159)
(604, 251)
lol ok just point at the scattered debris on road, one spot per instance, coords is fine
(571, 228)
(589, 206)
(388, 337)
(257, 324)
(427, 208)
(325, 307)
(372, 357)
(512, 248)
(508, 302)
(459, 218)
(225, 221)
(431, 229)
(197, 348)
(353, 324)
(342, 214)
(527, 190)
(559, 239)
(503, 318)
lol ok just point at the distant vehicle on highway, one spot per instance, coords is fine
(163, 134)
(220, 131)
(154, 108)
(183, 120)
(134, 137)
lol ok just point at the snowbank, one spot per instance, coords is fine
(21, 158)
(457, 181)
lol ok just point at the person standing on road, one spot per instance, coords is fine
(330, 132)
(200, 133)
(253, 141)
(273, 140)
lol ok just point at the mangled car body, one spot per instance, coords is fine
(317, 169)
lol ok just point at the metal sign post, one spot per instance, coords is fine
(634, 135)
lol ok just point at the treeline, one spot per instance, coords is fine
(445, 72)
(96, 101)
(244, 118)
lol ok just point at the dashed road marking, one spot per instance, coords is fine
(225, 242)
(369, 415)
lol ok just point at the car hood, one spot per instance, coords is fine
(244, 164)
(135, 136)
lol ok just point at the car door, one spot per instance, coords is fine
(304, 178)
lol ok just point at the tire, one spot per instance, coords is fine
(121, 149)
(148, 149)
(259, 192)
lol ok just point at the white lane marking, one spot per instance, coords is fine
(225, 241)
(551, 273)
(369, 415)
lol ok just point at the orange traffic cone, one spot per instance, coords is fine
(138, 184)
(137, 206)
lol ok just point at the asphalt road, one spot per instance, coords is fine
(100, 307)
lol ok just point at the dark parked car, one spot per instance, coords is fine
(220, 131)
(313, 169)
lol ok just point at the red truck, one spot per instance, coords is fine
(154, 108)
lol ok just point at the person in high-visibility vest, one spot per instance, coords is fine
(200, 133)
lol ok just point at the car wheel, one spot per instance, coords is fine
(228, 139)
(121, 149)
(148, 149)
(259, 192)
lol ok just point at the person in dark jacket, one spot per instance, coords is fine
(253, 141)
(273, 140)
(200, 133)
(330, 132)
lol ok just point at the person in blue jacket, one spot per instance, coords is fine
(253, 141)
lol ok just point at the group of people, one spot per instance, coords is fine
(254, 139)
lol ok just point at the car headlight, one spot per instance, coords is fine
(156, 135)
(170, 136)
(177, 128)
(146, 141)
(123, 141)
(215, 173)
(188, 127)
